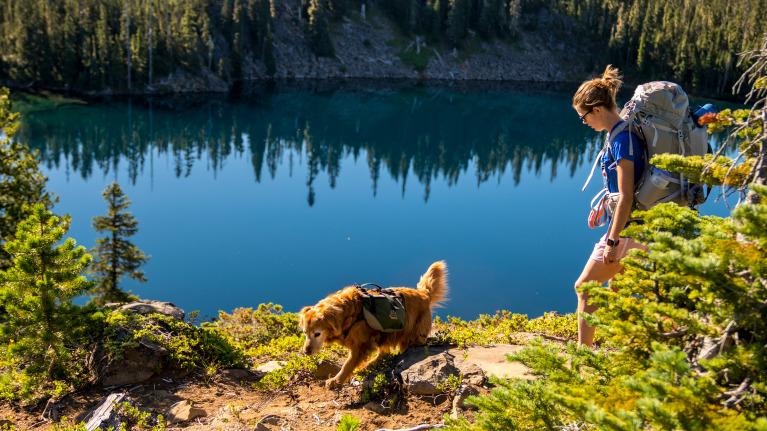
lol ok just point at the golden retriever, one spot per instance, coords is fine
(337, 319)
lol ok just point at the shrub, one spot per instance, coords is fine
(44, 333)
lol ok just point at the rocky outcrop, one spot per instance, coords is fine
(364, 49)
(135, 365)
(146, 307)
(429, 376)
(138, 361)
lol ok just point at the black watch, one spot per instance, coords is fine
(612, 243)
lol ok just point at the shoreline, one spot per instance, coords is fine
(248, 88)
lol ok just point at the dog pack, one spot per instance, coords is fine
(383, 309)
(659, 113)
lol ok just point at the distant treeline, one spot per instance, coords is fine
(131, 44)
(692, 42)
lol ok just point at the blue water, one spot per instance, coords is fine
(287, 194)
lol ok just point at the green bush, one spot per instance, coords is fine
(190, 347)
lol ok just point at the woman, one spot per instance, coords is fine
(622, 167)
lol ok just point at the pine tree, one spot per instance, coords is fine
(457, 20)
(114, 255)
(269, 61)
(42, 325)
(22, 184)
(318, 29)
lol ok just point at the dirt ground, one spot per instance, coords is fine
(231, 403)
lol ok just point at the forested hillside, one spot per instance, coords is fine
(131, 45)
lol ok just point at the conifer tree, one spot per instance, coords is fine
(269, 61)
(457, 20)
(114, 255)
(22, 184)
(37, 292)
(318, 29)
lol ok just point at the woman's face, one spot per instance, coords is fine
(591, 117)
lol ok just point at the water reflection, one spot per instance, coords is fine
(406, 132)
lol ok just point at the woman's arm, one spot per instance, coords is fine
(625, 170)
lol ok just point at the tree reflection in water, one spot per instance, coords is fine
(403, 130)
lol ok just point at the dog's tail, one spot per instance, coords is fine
(434, 281)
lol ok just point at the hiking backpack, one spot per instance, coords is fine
(382, 309)
(659, 113)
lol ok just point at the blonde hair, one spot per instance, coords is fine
(599, 91)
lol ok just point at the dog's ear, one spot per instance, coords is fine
(302, 316)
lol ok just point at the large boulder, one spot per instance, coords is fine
(146, 307)
(134, 365)
(428, 376)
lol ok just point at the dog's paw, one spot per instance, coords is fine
(333, 383)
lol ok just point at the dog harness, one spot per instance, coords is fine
(382, 309)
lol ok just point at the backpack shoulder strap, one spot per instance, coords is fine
(608, 145)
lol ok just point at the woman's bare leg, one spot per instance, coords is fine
(593, 271)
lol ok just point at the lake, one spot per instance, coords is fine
(285, 194)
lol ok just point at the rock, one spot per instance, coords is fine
(104, 416)
(326, 369)
(184, 411)
(435, 365)
(271, 420)
(469, 371)
(146, 307)
(270, 366)
(426, 377)
(136, 365)
(375, 408)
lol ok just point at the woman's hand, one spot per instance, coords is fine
(610, 255)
